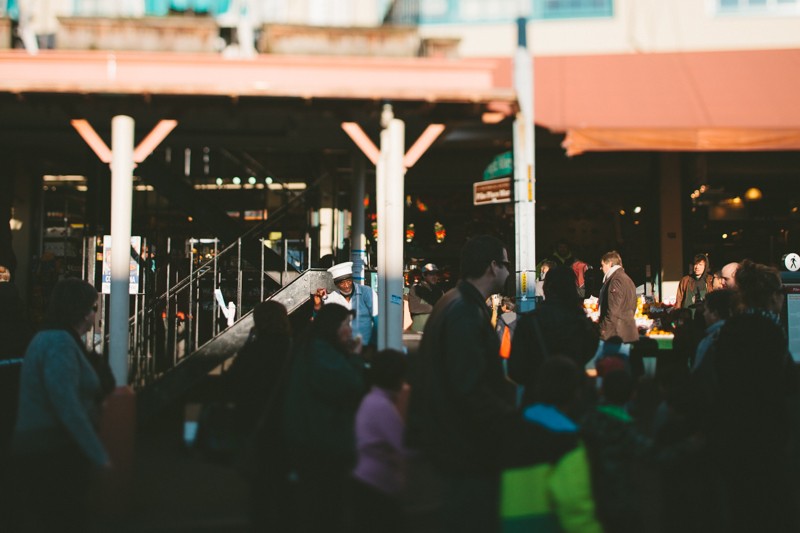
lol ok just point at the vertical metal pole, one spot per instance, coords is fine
(188, 316)
(239, 279)
(524, 177)
(261, 297)
(357, 241)
(166, 319)
(390, 232)
(122, 128)
(216, 285)
(285, 261)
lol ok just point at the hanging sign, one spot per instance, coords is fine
(491, 192)
(136, 251)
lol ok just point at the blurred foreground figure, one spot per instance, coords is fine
(55, 444)
(461, 413)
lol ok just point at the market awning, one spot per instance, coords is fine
(691, 101)
(698, 101)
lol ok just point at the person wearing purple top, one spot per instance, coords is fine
(379, 475)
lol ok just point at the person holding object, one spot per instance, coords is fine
(617, 301)
(55, 442)
(361, 299)
(461, 413)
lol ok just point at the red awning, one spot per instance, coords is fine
(704, 101)
(733, 100)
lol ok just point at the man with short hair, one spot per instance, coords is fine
(423, 296)
(729, 275)
(617, 301)
(360, 298)
(461, 404)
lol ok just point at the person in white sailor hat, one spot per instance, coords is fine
(360, 298)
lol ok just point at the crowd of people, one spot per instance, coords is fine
(497, 407)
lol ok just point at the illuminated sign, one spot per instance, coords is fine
(491, 192)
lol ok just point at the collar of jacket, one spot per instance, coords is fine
(470, 292)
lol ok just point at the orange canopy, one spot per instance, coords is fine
(706, 101)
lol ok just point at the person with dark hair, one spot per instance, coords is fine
(716, 310)
(614, 444)
(554, 495)
(751, 418)
(557, 326)
(692, 288)
(55, 443)
(617, 301)
(379, 475)
(461, 404)
(15, 333)
(325, 387)
(254, 372)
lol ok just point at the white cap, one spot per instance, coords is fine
(342, 270)
(430, 268)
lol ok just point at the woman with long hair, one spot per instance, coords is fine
(325, 388)
(693, 287)
(55, 444)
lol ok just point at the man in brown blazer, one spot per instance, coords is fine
(617, 301)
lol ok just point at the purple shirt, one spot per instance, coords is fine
(379, 442)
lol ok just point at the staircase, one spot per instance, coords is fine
(179, 336)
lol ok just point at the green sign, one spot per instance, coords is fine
(500, 167)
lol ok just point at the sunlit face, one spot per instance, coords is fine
(699, 268)
(729, 276)
(88, 321)
(345, 332)
(345, 286)
(502, 272)
(431, 277)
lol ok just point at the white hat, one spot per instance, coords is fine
(342, 270)
(430, 268)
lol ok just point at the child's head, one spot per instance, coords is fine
(617, 387)
(388, 369)
(559, 382)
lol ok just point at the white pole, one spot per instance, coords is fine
(524, 177)
(357, 241)
(122, 128)
(390, 186)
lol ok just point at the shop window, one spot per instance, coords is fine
(564, 9)
(736, 7)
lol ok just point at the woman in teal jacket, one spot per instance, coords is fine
(325, 388)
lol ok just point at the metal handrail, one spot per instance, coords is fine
(171, 326)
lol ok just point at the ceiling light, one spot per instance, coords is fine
(268, 180)
(753, 194)
(251, 180)
(219, 181)
(237, 180)
(637, 209)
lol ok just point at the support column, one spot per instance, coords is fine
(390, 185)
(122, 128)
(524, 179)
(671, 223)
(357, 240)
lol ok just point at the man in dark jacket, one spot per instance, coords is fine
(617, 301)
(461, 413)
